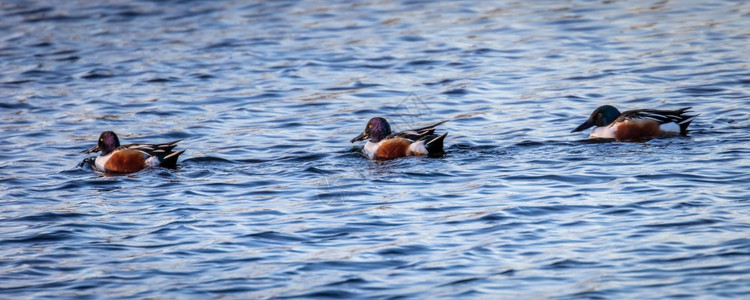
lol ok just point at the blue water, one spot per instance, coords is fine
(270, 200)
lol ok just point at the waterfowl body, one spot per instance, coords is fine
(115, 158)
(636, 124)
(382, 144)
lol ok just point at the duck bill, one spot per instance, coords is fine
(94, 149)
(361, 137)
(586, 125)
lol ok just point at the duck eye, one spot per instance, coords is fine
(369, 126)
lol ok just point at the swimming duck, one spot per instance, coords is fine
(115, 158)
(636, 124)
(383, 144)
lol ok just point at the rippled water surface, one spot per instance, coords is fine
(270, 200)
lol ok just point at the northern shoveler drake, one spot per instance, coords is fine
(636, 124)
(384, 145)
(133, 157)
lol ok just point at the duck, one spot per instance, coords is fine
(636, 124)
(124, 159)
(382, 144)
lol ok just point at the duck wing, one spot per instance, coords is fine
(417, 134)
(678, 116)
(160, 150)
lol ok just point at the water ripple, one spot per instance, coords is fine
(270, 200)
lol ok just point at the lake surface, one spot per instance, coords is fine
(270, 200)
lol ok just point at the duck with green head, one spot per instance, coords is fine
(636, 124)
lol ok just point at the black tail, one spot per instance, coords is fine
(170, 160)
(685, 120)
(434, 145)
(684, 124)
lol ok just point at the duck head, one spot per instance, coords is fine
(602, 116)
(108, 142)
(376, 130)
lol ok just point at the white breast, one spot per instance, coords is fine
(101, 161)
(371, 148)
(606, 132)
